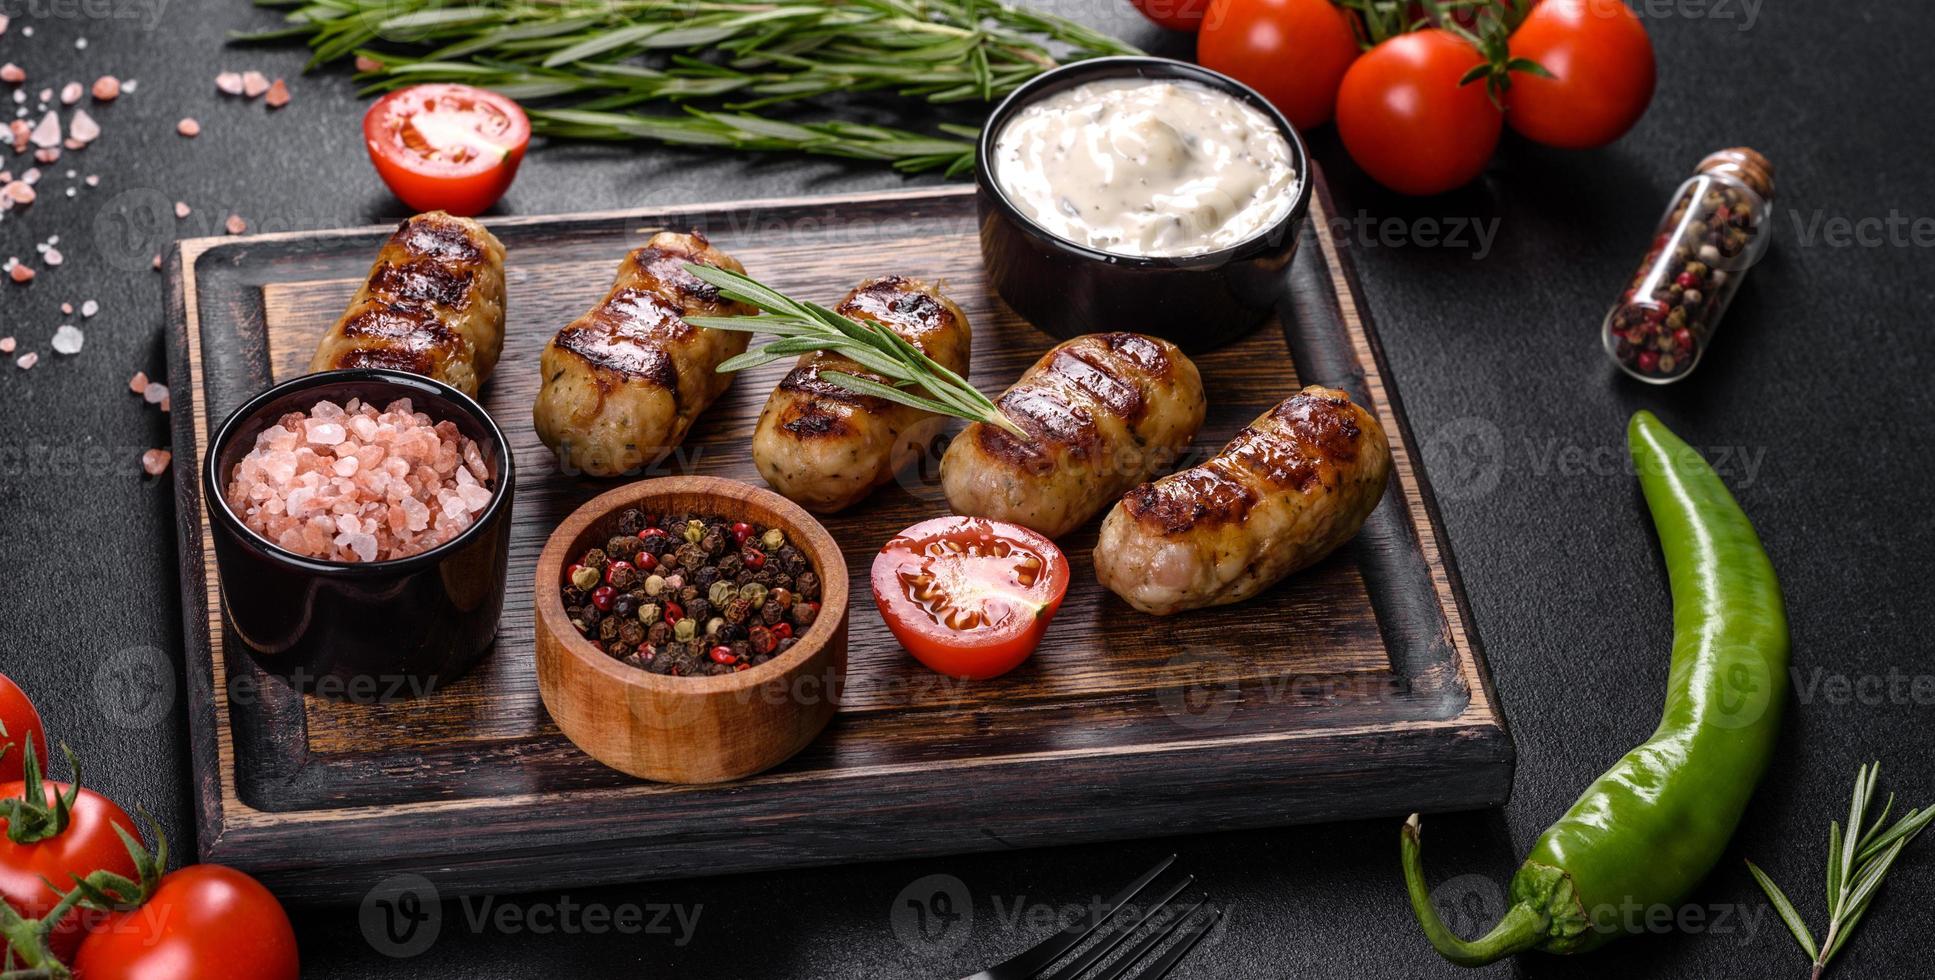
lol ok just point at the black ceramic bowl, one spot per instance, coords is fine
(362, 630)
(1066, 289)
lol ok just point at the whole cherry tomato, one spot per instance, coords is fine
(1177, 15)
(19, 723)
(1408, 122)
(38, 848)
(446, 147)
(1293, 52)
(204, 921)
(967, 596)
(1604, 72)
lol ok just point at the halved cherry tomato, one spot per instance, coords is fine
(446, 147)
(19, 723)
(967, 596)
(43, 850)
(204, 921)
(1602, 63)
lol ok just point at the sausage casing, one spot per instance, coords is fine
(827, 447)
(623, 383)
(1287, 491)
(433, 305)
(1104, 412)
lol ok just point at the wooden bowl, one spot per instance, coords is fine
(691, 729)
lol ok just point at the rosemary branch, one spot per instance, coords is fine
(1859, 858)
(589, 63)
(911, 377)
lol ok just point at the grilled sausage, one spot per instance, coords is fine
(1288, 490)
(1104, 412)
(624, 383)
(827, 447)
(433, 305)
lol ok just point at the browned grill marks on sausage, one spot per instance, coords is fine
(1141, 351)
(811, 420)
(1121, 397)
(1326, 424)
(393, 358)
(1178, 503)
(625, 334)
(445, 241)
(667, 265)
(423, 281)
(806, 380)
(1050, 421)
(415, 326)
(898, 303)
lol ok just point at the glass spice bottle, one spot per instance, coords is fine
(1713, 232)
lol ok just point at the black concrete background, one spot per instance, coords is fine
(1815, 393)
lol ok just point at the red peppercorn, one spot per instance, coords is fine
(742, 665)
(651, 532)
(615, 565)
(647, 562)
(1648, 360)
(723, 655)
(755, 558)
(1684, 338)
(602, 597)
(572, 572)
(674, 612)
(1655, 314)
(782, 631)
(740, 532)
(1687, 280)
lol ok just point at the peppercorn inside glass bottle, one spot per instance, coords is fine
(1714, 230)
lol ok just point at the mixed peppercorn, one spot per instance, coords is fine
(689, 595)
(1708, 239)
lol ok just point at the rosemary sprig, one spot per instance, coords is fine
(914, 379)
(1858, 859)
(587, 62)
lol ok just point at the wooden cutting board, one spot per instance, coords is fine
(1355, 689)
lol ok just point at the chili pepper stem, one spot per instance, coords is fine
(1523, 926)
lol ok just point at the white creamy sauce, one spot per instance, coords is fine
(1139, 166)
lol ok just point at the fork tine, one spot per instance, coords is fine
(1029, 962)
(1147, 943)
(1122, 933)
(1161, 967)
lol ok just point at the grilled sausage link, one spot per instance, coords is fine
(433, 305)
(1104, 412)
(624, 383)
(1288, 490)
(827, 447)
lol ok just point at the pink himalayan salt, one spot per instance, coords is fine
(350, 483)
(155, 461)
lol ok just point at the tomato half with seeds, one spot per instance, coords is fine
(967, 596)
(446, 147)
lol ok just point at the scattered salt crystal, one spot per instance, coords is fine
(235, 225)
(12, 74)
(130, 85)
(229, 83)
(21, 272)
(7, 345)
(47, 132)
(48, 154)
(155, 263)
(89, 308)
(70, 93)
(106, 88)
(4, 21)
(154, 462)
(83, 127)
(138, 383)
(19, 191)
(254, 83)
(46, 96)
(188, 127)
(68, 339)
(154, 392)
(31, 175)
(324, 433)
(278, 95)
(27, 360)
(92, 180)
(80, 44)
(181, 209)
(52, 257)
(66, 309)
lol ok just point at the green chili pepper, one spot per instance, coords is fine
(1649, 829)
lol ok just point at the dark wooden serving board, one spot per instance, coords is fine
(1354, 689)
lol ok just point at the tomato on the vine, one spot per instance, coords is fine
(55, 832)
(1177, 15)
(1406, 120)
(446, 147)
(1603, 73)
(19, 727)
(203, 921)
(968, 596)
(1293, 52)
